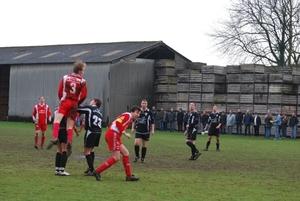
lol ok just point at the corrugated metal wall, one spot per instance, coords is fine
(29, 82)
(130, 83)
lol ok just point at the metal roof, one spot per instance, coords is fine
(92, 52)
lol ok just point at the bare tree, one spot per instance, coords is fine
(260, 31)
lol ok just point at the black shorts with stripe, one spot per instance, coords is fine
(145, 137)
(192, 134)
(91, 139)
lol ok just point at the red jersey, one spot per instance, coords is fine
(73, 87)
(41, 113)
(121, 123)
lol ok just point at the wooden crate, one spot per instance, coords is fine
(274, 98)
(195, 65)
(207, 107)
(260, 98)
(233, 107)
(187, 71)
(261, 88)
(183, 97)
(196, 77)
(246, 98)
(183, 87)
(183, 105)
(247, 78)
(234, 78)
(296, 71)
(166, 105)
(287, 78)
(165, 71)
(296, 79)
(235, 69)
(195, 87)
(195, 97)
(166, 80)
(260, 109)
(221, 88)
(185, 78)
(261, 78)
(275, 78)
(220, 98)
(213, 78)
(288, 109)
(166, 97)
(214, 70)
(247, 88)
(289, 99)
(252, 68)
(280, 88)
(221, 107)
(165, 88)
(285, 70)
(207, 97)
(274, 107)
(208, 88)
(233, 88)
(245, 107)
(164, 63)
(233, 98)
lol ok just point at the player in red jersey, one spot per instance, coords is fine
(41, 112)
(115, 145)
(72, 91)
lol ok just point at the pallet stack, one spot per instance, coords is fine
(214, 88)
(233, 87)
(165, 87)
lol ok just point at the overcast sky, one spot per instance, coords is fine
(182, 25)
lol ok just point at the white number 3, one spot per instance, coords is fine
(73, 88)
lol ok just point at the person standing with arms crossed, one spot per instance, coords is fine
(72, 91)
(115, 145)
(191, 131)
(41, 112)
(93, 120)
(214, 121)
(142, 127)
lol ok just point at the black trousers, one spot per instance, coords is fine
(256, 130)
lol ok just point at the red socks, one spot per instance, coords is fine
(109, 162)
(43, 140)
(126, 165)
(55, 130)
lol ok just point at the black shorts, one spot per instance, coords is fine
(145, 137)
(192, 134)
(213, 131)
(91, 139)
(62, 136)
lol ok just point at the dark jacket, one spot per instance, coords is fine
(172, 116)
(239, 118)
(180, 117)
(268, 120)
(247, 119)
(258, 120)
(293, 121)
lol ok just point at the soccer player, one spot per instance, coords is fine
(143, 126)
(61, 153)
(191, 131)
(72, 91)
(115, 145)
(214, 121)
(41, 112)
(93, 119)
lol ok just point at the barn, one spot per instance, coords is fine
(121, 74)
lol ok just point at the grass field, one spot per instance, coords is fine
(247, 168)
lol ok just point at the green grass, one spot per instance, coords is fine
(247, 168)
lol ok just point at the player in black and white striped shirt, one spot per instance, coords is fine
(93, 120)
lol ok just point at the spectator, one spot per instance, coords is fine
(204, 120)
(160, 119)
(284, 124)
(179, 118)
(277, 123)
(239, 122)
(230, 122)
(247, 122)
(223, 122)
(154, 112)
(256, 124)
(172, 118)
(293, 124)
(165, 120)
(268, 123)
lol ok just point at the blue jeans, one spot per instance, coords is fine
(161, 126)
(294, 131)
(239, 128)
(172, 126)
(229, 129)
(203, 126)
(277, 134)
(268, 132)
(283, 132)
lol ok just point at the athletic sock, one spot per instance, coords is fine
(193, 147)
(93, 156)
(109, 162)
(137, 150)
(70, 135)
(126, 165)
(144, 150)
(36, 139)
(57, 160)
(43, 140)
(218, 145)
(63, 160)
(55, 130)
(89, 160)
(207, 144)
